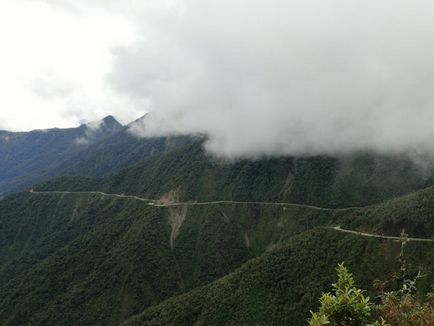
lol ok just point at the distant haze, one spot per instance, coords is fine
(258, 77)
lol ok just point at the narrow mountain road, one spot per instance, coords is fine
(254, 203)
(92, 193)
(372, 235)
(154, 203)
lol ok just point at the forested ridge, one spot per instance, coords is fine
(90, 258)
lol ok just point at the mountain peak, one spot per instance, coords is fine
(111, 121)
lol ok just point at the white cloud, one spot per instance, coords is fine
(290, 77)
(54, 61)
(274, 77)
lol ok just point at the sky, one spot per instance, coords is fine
(275, 77)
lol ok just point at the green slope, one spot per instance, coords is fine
(355, 180)
(87, 259)
(281, 286)
(118, 152)
(28, 157)
(93, 260)
(359, 179)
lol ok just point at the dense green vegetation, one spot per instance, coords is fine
(95, 260)
(30, 157)
(347, 305)
(118, 152)
(355, 180)
(90, 259)
(282, 285)
(98, 260)
(401, 306)
(87, 260)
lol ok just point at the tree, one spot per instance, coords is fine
(348, 306)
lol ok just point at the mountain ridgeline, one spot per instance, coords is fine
(94, 149)
(80, 249)
(27, 157)
(359, 179)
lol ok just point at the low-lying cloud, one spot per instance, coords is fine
(288, 77)
(280, 77)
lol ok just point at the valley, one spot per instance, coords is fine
(218, 244)
(180, 239)
(216, 163)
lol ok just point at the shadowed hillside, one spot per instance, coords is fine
(281, 286)
(356, 180)
(98, 260)
(28, 157)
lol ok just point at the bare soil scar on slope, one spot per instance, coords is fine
(177, 214)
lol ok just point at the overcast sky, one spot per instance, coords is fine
(258, 77)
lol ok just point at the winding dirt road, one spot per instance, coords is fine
(380, 236)
(90, 193)
(154, 203)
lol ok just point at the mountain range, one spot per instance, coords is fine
(94, 149)
(102, 228)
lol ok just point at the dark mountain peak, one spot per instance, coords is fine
(107, 126)
(26, 157)
(111, 121)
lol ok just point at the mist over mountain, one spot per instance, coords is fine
(276, 141)
(94, 251)
(94, 149)
(281, 78)
(26, 157)
(286, 78)
(119, 151)
(155, 231)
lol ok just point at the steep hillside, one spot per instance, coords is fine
(281, 286)
(118, 151)
(97, 149)
(87, 258)
(93, 259)
(359, 179)
(27, 157)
